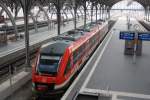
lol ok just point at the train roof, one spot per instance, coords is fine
(61, 42)
(74, 35)
(55, 48)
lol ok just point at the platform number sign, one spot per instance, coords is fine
(127, 35)
(144, 36)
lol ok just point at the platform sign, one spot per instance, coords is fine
(144, 36)
(125, 35)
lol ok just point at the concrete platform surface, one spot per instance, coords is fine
(115, 73)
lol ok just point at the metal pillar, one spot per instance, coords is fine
(65, 15)
(81, 12)
(34, 21)
(36, 16)
(108, 13)
(1, 12)
(58, 16)
(100, 12)
(42, 9)
(17, 9)
(4, 7)
(96, 13)
(148, 8)
(71, 12)
(105, 12)
(75, 14)
(92, 13)
(78, 14)
(26, 12)
(85, 9)
(53, 13)
(146, 13)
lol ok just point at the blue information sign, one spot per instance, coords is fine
(127, 35)
(144, 36)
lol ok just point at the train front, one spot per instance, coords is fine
(45, 70)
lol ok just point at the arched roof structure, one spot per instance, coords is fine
(14, 3)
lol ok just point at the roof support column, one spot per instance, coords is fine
(100, 12)
(36, 16)
(71, 12)
(96, 13)
(67, 18)
(75, 13)
(78, 14)
(85, 9)
(4, 7)
(108, 10)
(148, 10)
(81, 12)
(52, 13)
(58, 16)
(92, 13)
(103, 12)
(34, 21)
(17, 9)
(42, 9)
(1, 12)
(146, 13)
(27, 46)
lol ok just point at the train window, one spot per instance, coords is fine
(68, 66)
(79, 52)
(48, 64)
(75, 58)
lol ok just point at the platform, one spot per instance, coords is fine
(114, 75)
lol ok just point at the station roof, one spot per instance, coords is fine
(110, 3)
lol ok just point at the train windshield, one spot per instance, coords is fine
(48, 64)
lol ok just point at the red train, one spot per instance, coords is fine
(58, 61)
